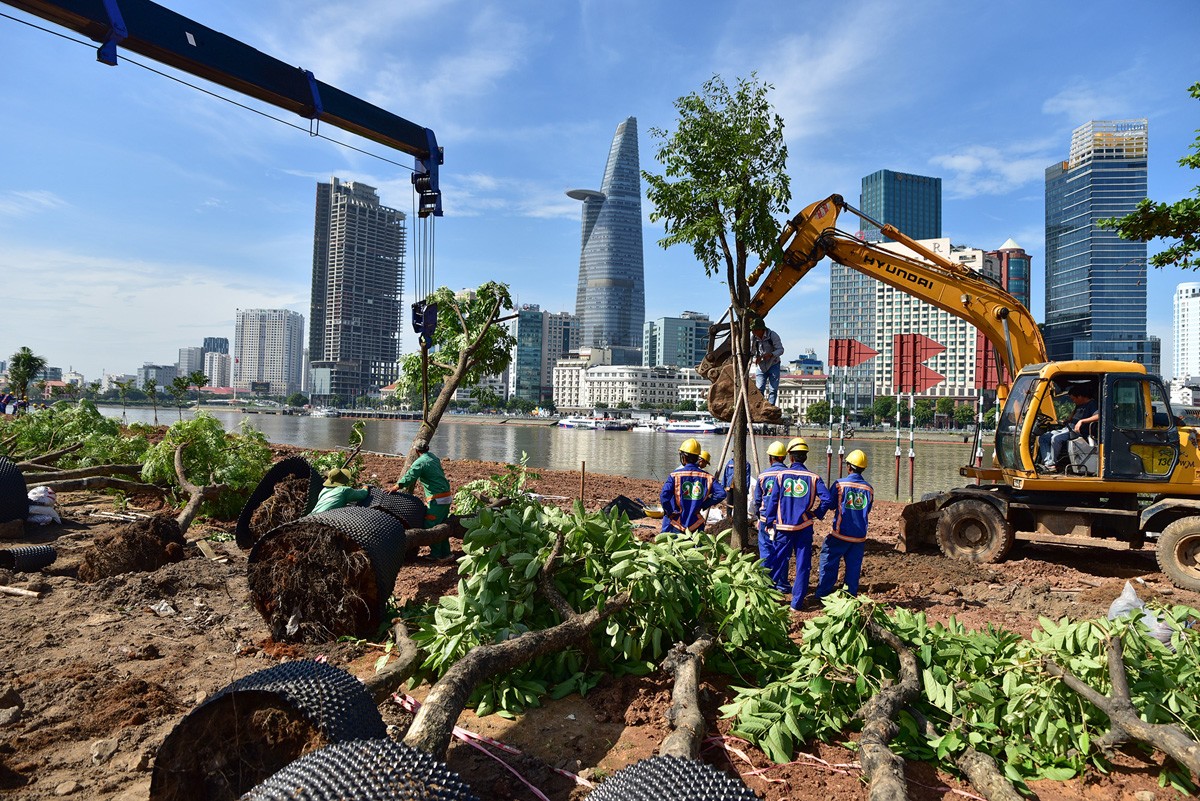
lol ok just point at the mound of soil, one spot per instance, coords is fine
(289, 502)
(312, 583)
(140, 547)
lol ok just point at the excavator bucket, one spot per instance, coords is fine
(918, 523)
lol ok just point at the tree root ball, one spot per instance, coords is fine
(289, 502)
(230, 746)
(312, 583)
(142, 546)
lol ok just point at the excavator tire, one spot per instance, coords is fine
(974, 531)
(1179, 553)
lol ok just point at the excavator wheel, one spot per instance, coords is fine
(1179, 553)
(974, 531)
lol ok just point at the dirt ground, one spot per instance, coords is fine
(94, 676)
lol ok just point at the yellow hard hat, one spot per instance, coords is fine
(337, 477)
(777, 450)
(691, 446)
(857, 459)
(705, 456)
(798, 444)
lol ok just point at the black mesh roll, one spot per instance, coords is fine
(292, 467)
(408, 508)
(368, 770)
(28, 559)
(14, 502)
(664, 778)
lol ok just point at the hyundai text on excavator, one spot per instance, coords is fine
(1134, 481)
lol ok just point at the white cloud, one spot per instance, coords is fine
(22, 203)
(991, 170)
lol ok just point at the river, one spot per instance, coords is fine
(636, 454)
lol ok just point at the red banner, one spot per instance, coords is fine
(849, 353)
(987, 364)
(908, 353)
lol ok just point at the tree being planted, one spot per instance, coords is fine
(723, 184)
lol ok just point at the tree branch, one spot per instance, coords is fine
(885, 770)
(408, 658)
(84, 472)
(197, 495)
(979, 768)
(684, 715)
(99, 482)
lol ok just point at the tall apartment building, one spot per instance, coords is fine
(1014, 267)
(542, 338)
(190, 361)
(357, 284)
(912, 203)
(1185, 331)
(217, 368)
(216, 344)
(675, 341)
(610, 300)
(900, 313)
(1096, 281)
(163, 375)
(268, 347)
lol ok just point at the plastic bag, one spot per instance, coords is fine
(43, 495)
(1128, 601)
(40, 514)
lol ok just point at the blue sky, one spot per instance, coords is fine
(137, 214)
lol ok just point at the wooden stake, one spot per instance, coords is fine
(23, 593)
(582, 478)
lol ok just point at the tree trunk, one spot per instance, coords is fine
(1121, 712)
(197, 495)
(883, 769)
(407, 658)
(81, 472)
(979, 768)
(684, 715)
(99, 482)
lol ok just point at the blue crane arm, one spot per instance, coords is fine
(172, 39)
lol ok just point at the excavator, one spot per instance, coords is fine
(1132, 481)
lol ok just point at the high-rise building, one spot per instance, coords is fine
(675, 341)
(190, 361)
(216, 344)
(268, 347)
(1096, 281)
(357, 284)
(162, 374)
(913, 204)
(610, 301)
(542, 339)
(1014, 268)
(216, 368)
(1185, 331)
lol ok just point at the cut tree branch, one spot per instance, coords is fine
(99, 482)
(85, 472)
(684, 715)
(196, 495)
(38, 461)
(1123, 715)
(434, 722)
(407, 659)
(980, 769)
(883, 769)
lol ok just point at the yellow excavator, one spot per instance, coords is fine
(1129, 479)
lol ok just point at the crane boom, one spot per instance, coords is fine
(177, 41)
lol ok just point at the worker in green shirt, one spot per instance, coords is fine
(337, 492)
(427, 469)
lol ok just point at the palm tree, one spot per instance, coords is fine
(23, 367)
(199, 380)
(151, 387)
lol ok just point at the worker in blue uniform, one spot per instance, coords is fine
(764, 486)
(853, 497)
(688, 491)
(799, 499)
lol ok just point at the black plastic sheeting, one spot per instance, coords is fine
(665, 778)
(28, 559)
(404, 506)
(292, 467)
(370, 770)
(14, 500)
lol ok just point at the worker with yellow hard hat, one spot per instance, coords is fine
(705, 458)
(763, 487)
(800, 499)
(688, 491)
(854, 496)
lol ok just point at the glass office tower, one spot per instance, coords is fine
(610, 301)
(1096, 281)
(912, 203)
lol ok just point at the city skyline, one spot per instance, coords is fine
(139, 214)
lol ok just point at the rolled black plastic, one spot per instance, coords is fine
(14, 500)
(292, 467)
(333, 701)
(409, 509)
(28, 559)
(368, 770)
(665, 778)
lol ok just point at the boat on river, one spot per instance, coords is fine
(324, 411)
(706, 424)
(595, 423)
